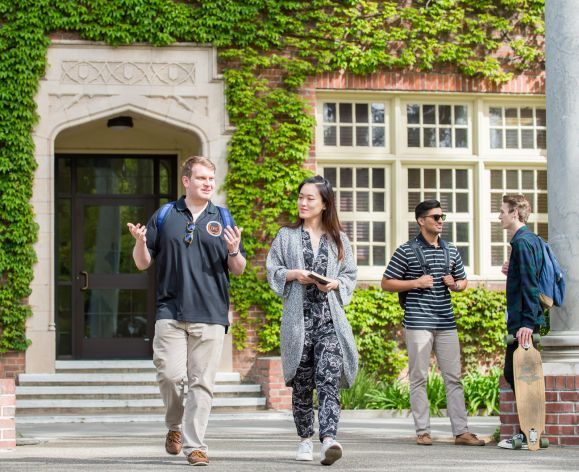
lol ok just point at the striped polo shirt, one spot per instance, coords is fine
(426, 308)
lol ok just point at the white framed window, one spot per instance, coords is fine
(431, 125)
(453, 188)
(529, 182)
(517, 127)
(363, 201)
(349, 125)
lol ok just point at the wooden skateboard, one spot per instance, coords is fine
(530, 393)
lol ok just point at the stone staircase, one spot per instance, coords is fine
(128, 388)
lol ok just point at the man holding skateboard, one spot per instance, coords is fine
(524, 311)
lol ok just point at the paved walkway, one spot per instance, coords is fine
(267, 442)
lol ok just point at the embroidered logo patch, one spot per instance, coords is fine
(214, 228)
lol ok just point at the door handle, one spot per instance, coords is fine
(84, 273)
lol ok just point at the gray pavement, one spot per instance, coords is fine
(266, 442)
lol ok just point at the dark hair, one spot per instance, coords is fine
(521, 203)
(330, 220)
(424, 207)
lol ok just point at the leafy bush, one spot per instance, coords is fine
(356, 397)
(482, 391)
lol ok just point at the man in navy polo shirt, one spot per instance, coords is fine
(194, 251)
(427, 270)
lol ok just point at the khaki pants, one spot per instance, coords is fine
(447, 349)
(187, 352)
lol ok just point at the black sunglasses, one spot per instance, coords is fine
(188, 238)
(437, 218)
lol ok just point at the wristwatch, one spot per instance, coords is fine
(233, 254)
(456, 286)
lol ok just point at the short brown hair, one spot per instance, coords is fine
(191, 161)
(520, 203)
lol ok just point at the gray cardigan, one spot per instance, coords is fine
(287, 253)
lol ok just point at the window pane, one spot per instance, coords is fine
(348, 229)
(361, 113)
(542, 203)
(379, 231)
(512, 179)
(430, 178)
(377, 113)
(413, 230)
(363, 255)
(446, 202)
(448, 232)
(346, 178)
(461, 178)
(64, 239)
(462, 200)
(330, 112)
(413, 114)
(496, 202)
(542, 180)
(541, 139)
(378, 137)
(461, 139)
(64, 178)
(528, 179)
(462, 233)
(346, 201)
(362, 231)
(541, 117)
(346, 136)
(496, 116)
(363, 178)
(497, 179)
(429, 137)
(362, 138)
(445, 137)
(414, 178)
(463, 251)
(345, 112)
(460, 115)
(497, 255)
(543, 230)
(526, 116)
(428, 114)
(444, 115)
(413, 200)
(379, 254)
(445, 178)
(378, 200)
(511, 117)
(330, 136)
(413, 137)
(378, 178)
(64, 320)
(330, 173)
(496, 138)
(497, 233)
(363, 201)
(512, 138)
(528, 139)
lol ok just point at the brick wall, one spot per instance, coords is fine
(11, 364)
(267, 372)
(562, 410)
(7, 412)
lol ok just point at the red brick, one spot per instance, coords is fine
(553, 440)
(7, 444)
(6, 423)
(8, 434)
(560, 430)
(550, 382)
(569, 440)
(7, 400)
(560, 407)
(509, 419)
(552, 419)
(560, 382)
(569, 396)
(508, 407)
(570, 382)
(7, 386)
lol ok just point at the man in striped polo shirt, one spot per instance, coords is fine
(426, 269)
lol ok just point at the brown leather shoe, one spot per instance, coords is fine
(468, 439)
(173, 442)
(424, 440)
(198, 457)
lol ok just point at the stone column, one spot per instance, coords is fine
(562, 88)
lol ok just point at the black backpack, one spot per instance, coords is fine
(419, 253)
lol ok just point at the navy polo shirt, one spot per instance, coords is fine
(192, 280)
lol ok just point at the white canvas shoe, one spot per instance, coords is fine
(305, 451)
(331, 452)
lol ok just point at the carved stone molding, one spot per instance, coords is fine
(65, 101)
(199, 105)
(127, 73)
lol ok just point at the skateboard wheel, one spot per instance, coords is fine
(509, 339)
(536, 338)
(544, 443)
(517, 444)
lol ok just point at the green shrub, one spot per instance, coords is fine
(481, 392)
(355, 397)
(393, 396)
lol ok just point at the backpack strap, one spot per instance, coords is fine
(225, 217)
(419, 253)
(446, 250)
(161, 217)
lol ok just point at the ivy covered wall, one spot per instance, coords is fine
(486, 39)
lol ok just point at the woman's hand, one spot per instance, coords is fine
(302, 276)
(333, 285)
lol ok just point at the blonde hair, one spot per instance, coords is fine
(193, 160)
(520, 203)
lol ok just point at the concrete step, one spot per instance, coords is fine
(120, 392)
(126, 406)
(104, 366)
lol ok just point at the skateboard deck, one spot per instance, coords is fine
(530, 394)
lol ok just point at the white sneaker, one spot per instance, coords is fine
(305, 451)
(508, 443)
(331, 452)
